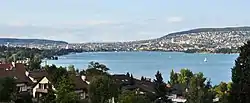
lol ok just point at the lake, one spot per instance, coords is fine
(217, 66)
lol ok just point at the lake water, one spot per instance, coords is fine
(217, 68)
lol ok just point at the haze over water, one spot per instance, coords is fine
(217, 68)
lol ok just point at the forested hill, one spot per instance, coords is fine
(29, 41)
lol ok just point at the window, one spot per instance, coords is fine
(45, 86)
(40, 86)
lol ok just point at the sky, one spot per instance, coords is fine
(79, 21)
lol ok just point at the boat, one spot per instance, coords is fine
(205, 60)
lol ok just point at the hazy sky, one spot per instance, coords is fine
(115, 20)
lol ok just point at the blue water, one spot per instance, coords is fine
(217, 68)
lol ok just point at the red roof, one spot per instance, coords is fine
(6, 66)
(18, 72)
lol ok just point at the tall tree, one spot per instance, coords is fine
(161, 89)
(198, 91)
(102, 89)
(65, 91)
(173, 78)
(240, 92)
(185, 76)
(131, 80)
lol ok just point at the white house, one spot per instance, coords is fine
(42, 86)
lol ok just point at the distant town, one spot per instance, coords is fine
(212, 40)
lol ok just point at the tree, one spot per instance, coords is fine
(98, 66)
(173, 78)
(208, 93)
(34, 63)
(184, 77)
(50, 96)
(102, 89)
(71, 68)
(198, 92)
(65, 91)
(127, 74)
(160, 88)
(96, 69)
(57, 73)
(132, 97)
(131, 80)
(83, 72)
(142, 78)
(222, 92)
(240, 92)
(7, 89)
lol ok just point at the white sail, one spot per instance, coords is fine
(205, 60)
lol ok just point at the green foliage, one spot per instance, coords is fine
(71, 68)
(102, 88)
(132, 97)
(24, 98)
(185, 76)
(198, 92)
(96, 69)
(173, 78)
(83, 72)
(56, 74)
(222, 92)
(34, 63)
(7, 89)
(49, 97)
(240, 92)
(161, 89)
(65, 91)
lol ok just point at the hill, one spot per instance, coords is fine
(29, 41)
(199, 30)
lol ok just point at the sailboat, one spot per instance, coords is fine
(205, 60)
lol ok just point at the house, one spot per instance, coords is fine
(81, 87)
(16, 71)
(140, 86)
(37, 75)
(42, 86)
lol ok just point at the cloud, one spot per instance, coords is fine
(98, 22)
(88, 23)
(91, 30)
(174, 19)
(17, 23)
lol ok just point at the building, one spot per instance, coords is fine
(42, 87)
(16, 71)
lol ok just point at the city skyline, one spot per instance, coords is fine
(110, 20)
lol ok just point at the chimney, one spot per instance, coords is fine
(27, 73)
(83, 78)
(14, 64)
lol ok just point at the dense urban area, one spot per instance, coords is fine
(212, 40)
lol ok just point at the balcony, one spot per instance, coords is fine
(42, 90)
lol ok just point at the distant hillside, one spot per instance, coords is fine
(209, 30)
(29, 41)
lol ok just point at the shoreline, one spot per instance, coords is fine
(153, 51)
(142, 51)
